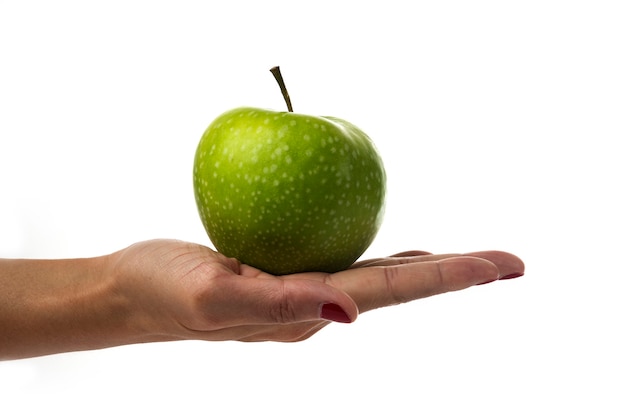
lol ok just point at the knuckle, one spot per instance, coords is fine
(395, 294)
(283, 311)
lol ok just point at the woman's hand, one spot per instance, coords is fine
(178, 290)
(167, 290)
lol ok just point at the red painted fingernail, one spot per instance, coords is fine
(334, 312)
(511, 276)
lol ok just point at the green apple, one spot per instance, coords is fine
(288, 192)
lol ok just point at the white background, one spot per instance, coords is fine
(500, 124)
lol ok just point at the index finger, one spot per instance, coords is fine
(510, 265)
(379, 286)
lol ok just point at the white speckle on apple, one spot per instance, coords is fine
(276, 153)
(282, 132)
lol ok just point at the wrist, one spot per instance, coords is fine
(131, 275)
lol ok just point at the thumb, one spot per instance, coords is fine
(266, 299)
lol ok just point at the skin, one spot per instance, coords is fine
(288, 192)
(166, 290)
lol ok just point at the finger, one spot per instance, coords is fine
(376, 287)
(509, 265)
(393, 259)
(256, 298)
(411, 253)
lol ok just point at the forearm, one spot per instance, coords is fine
(52, 306)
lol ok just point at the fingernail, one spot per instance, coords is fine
(333, 312)
(508, 276)
(511, 276)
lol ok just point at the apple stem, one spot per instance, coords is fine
(281, 83)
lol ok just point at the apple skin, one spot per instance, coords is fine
(287, 192)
